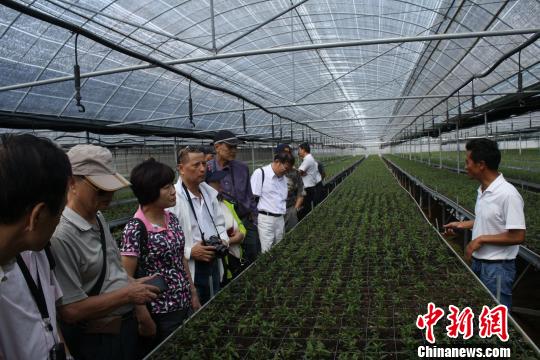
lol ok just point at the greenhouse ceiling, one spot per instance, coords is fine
(358, 72)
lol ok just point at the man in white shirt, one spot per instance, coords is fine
(311, 177)
(34, 175)
(499, 225)
(201, 218)
(270, 185)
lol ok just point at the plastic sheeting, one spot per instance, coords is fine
(32, 50)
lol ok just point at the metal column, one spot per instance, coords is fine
(253, 156)
(457, 146)
(429, 149)
(440, 149)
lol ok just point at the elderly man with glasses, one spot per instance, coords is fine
(236, 188)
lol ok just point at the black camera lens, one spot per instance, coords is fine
(221, 250)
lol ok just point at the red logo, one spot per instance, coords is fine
(494, 322)
(460, 322)
(429, 320)
(490, 322)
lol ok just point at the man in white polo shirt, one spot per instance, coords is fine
(499, 226)
(270, 185)
(34, 175)
(311, 177)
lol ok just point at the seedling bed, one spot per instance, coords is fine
(293, 303)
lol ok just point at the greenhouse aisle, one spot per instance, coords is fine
(348, 282)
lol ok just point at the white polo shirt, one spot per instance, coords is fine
(310, 167)
(22, 330)
(272, 193)
(498, 209)
(4, 269)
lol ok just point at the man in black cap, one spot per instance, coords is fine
(295, 191)
(236, 188)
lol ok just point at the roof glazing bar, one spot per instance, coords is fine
(138, 26)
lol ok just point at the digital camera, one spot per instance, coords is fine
(215, 241)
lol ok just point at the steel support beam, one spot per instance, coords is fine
(317, 121)
(285, 49)
(261, 25)
(319, 103)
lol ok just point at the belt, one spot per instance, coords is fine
(494, 261)
(269, 213)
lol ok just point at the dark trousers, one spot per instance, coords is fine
(107, 346)
(165, 325)
(206, 279)
(168, 322)
(251, 244)
(312, 198)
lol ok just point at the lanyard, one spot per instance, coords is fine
(37, 292)
(195, 213)
(96, 289)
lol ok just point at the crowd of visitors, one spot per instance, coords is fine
(68, 290)
(97, 298)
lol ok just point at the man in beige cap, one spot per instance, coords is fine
(97, 309)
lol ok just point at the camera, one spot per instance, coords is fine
(215, 241)
(57, 352)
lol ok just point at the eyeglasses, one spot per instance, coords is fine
(286, 166)
(99, 192)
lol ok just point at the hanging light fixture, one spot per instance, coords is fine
(244, 116)
(273, 136)
(292, 138)
(190, 106)
(77, 76)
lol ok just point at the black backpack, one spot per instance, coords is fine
(320, 169)
(143, 248)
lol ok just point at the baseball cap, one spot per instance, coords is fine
(225, 136)
(282, 147)
(96, 164)
(207, 149)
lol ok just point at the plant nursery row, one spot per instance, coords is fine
(524, 167)
(462, 189)
(347, 283)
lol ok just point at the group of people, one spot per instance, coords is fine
(65, 280)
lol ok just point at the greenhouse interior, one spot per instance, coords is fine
(380, 120)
